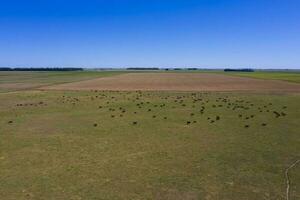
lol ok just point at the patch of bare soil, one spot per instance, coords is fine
(178, 82)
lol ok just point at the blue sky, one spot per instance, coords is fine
(146, 33)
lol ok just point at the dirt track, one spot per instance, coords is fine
(178, 82)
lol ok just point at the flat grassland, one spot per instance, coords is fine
(178, 82)
(270, 75)
(149, 144)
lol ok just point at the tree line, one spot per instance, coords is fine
(41, 69)
(238, 70)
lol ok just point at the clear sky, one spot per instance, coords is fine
(150, 33)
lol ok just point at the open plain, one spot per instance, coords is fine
(149, 136)
(179, 82)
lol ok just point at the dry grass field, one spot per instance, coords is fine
(178, 82)
(16, 81)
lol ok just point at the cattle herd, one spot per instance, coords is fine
(210, 107)
(200, 105)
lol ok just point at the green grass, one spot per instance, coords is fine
(272, 75)
(30, 80)
(52, 150)
(290, 76)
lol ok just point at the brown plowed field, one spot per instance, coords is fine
(178, 82)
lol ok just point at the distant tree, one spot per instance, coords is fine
(192, 68)
(238, 70)
(142, 68)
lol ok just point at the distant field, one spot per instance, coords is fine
(284, 76)
(13, 81)
(178, 82)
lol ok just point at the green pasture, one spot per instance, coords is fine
(148, 145)
(269, 75)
